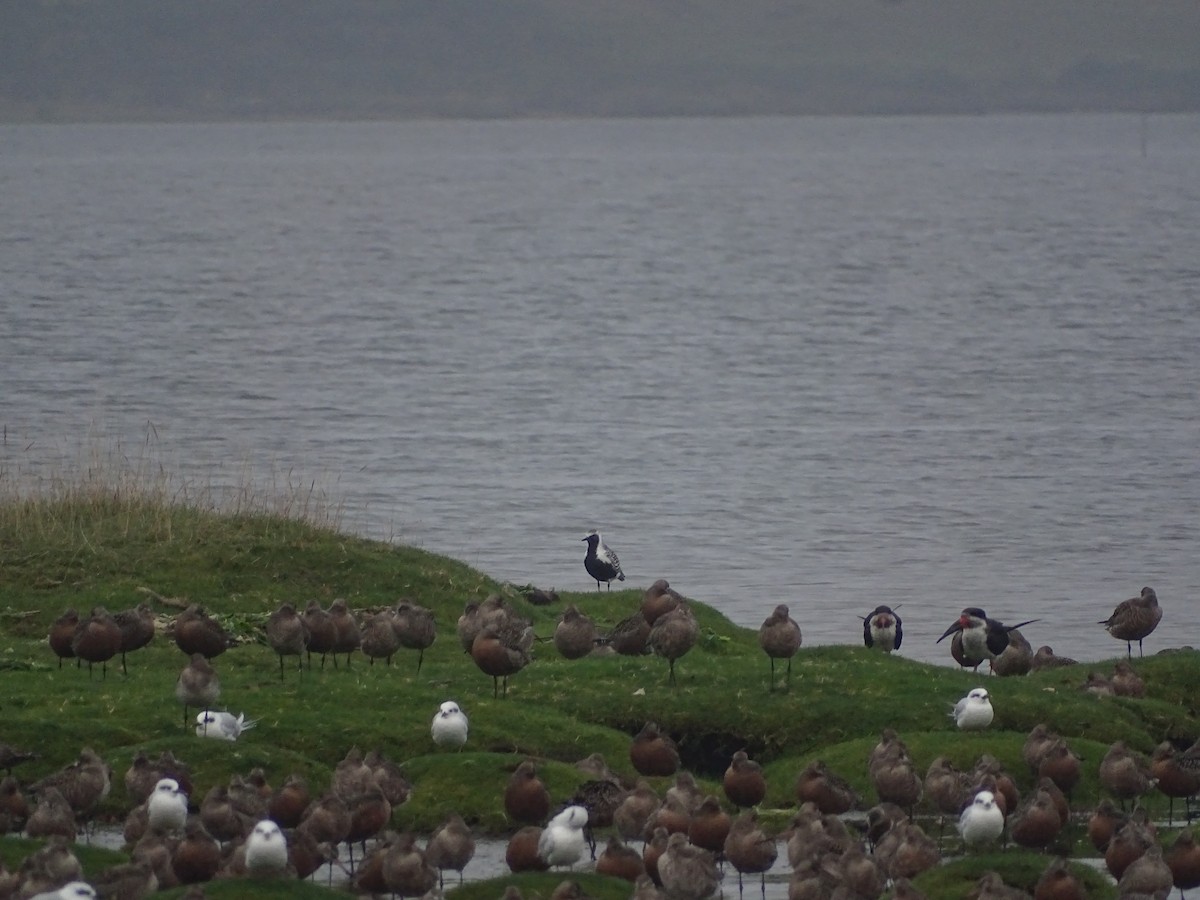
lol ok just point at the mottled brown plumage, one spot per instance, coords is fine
(1134, 619)
(673, 635)
(416, 628)
(780, 638)
(287, 634)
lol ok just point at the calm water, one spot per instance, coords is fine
(826, 362)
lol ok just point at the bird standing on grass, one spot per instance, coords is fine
(601, 561)
(223, 726)
(973, 712)
(982, 638)
(780, 638)
(1134, 619)
(882, 629)
(450, 726)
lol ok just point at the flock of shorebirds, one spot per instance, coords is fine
(686, 838)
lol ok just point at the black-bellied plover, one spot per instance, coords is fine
(601, 561)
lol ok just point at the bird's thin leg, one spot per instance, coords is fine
(789, 674)
(421, 659)
(771, 689)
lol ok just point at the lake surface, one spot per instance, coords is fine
(832, 363)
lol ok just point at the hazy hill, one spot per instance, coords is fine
(184, 59)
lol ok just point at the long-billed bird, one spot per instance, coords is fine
(882, 629)
(982, 638)
(1134, 619)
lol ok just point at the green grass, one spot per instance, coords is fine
(85, 544)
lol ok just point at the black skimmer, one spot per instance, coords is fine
(882, 629)
(1134, 619)
(982, 638)
(601, 562)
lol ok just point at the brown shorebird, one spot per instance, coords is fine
(1017, 657)
(780, 638)
(370, 813)
(137, 629)
(327, 820)
(1061, 765)
(14, 808)
(521, 855)
(1126, 682)
(1183, 859)
(1129, 842)
(749, 849)
(831, 793)
(288, 635)
(197, 685)
(857, 874)
(1124, 773)
(897, 782)
(379, 638)
(628, 637)
(1036, 823)
(1147, 876)
(287, 804)
(1103, 823)
(346, 634)
(52, 815)
(198, 632)
(125, 881)
(1058, 882)
(97, 640)
(1038, 741)
(1173, 779)
(658, 600)
(1045, 659)
(620, 861)
(673, 635)
(469, 625)
(388, 776)
(83, 783)
(62, 632)
(416, 629)
(197, 857)
(709, 825)
(321, 634)
(652, 852)
(744, 783)
(575, 634)
(882, 629)
(450, 847)
(687, 872)
(946, 786)
(631, 817)
(653, 752)
(991, 886)
(526, 798)
(498, 657)
(906, 851)
(1134, 619)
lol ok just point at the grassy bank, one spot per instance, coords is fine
(118, 544)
